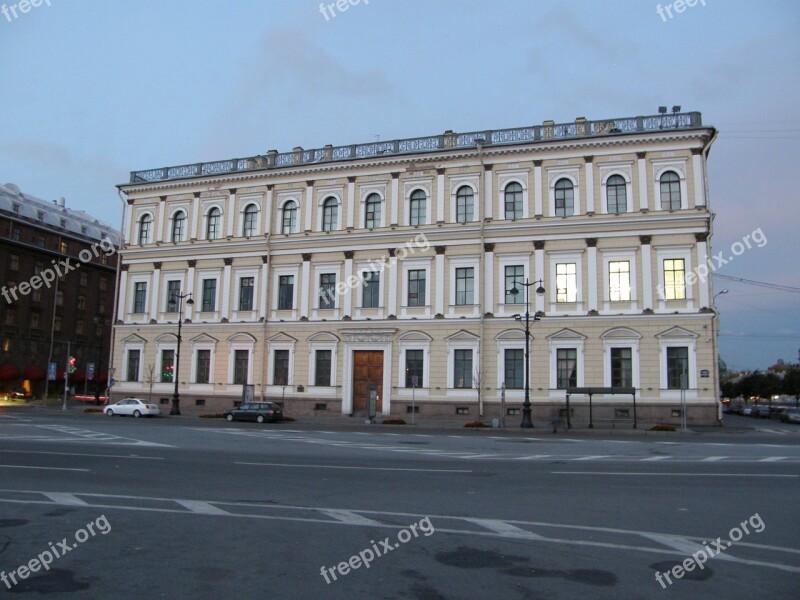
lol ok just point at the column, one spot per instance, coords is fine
(268, 211)
(263, 288)
(537, 189)
(305, 286)
(644, 203)
(488, 200)
(647, 273)
(591, 248)
(702, 258)
(226, 289)
(231, 220)
(589, 184)
(395, 197)
(347, 298)
(162, 208)
(309, 205)
(440, 279)
(131, 235)
(195, 216)
(392, 277)
(699, 179)
(123, 292)
(439, 196)
(488, 279)
(539, 273)
(154, 290)
(189, 282)
(351, 200)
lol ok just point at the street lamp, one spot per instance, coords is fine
(176, 302)
(714, 349)
(526, 406)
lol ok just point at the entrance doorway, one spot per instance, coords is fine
(367, 371)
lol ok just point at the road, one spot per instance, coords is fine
(183, 507)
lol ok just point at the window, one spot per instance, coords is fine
(11, 316)
(63, 223)
(416, 287)
(37, 268)
(139, 297)
(280, 373)
(60, 298)
(327, 290)
(240, 366)
(565, 198)
(370, 297)
(16, 234)
(677, 367)
(322, 371)
(173, 291)
(246, 287)
(513, 196)
(145, 224)
(566, 368)
(566, 282)
(285, 292)
(209, 295)
(514, 369)
(213, 224)
(621, 367)
(465, 285)
(418, 210)
(330, 214)
(40, 214)
(63, 247)
(372, 217)
(515, 274)
(40, 241)
(81, 302)
(167, 366)
(465, 204)
(415, 365)
(462, 375)
(289, 217)
(133, 365)
(103, 284)
(13, 263)
(56, 322)
(670, 191)
(619, 281)
(83, 279)
(617, 194)
(250, 224)
(37, 296)
(674, 279)
(79, 326)
(179, 226)
(203, 372)
(33, 322)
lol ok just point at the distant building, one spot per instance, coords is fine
(320, 275)
(40, 311)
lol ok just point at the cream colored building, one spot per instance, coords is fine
(318, 275)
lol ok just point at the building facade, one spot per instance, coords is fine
(58, 272)
(395, 269)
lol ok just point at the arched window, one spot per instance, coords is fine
(145, 223)
(617, 194)
(513, 201)
(214, 224)
(178, 226)
(372, 216)
(418, 210)
(465, 204)
(330, 214)
(670, 191)
(289, 217)
(565, 198)
(250, 224)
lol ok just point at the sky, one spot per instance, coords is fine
(91, 90)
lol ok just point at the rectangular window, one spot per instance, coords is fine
(621, 367)
(515, 277)
(64, 247)
(567, 368)
(246, 287)
(462, 372)
(56, 322)
(84, 279)
(370, 297)
(11, 316)
(674, 279)
(280, 372)
(240, 366)
(285, 292)
(416, 287)
(103, 284)
(133, 365)
(209, 295)
(34, 322)
(173, 290)
(16, 234)
(415, 363)
(619, 281)
(322, 371)
(167, 366)
(515, 369)
(203, 371)
(327, 290)
(678, 368)
(465, 285)
(81, 302)
(139, 297)
(79, 326)
(13, 263)
(566, 282)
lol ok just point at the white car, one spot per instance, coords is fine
(132, 406)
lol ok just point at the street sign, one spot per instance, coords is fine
(704, 373)
(51, 371)
(112, 382)
(90, 371)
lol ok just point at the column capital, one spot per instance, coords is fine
(538, 244)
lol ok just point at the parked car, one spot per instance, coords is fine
(761, 411)
(747, 411)
(255, 411)
(132, 406)
(791, 415)
(20, 394)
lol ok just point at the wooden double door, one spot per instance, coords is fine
(367, 372)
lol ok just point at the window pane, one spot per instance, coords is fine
(418, 209)
(322, 376)
(513, 201)
(674, 279)
(139, 297)
(465, 282)
(213, 225)
(209, 295)
(619, 281)
(566, 282)
(372, 217)
(670, 185)
(250, 225)
(371, 292)
(567, 368)
(280, 375)
(621, 367)
(514, 369)
(515, 277)
(464, 204)
(289, 218)
(678, 367)
(617, 195)
(240, 366)
(167, 365)
(133, 365)
(416, 287)
(246, 287)
(285, 292)
(173, 289)
(330, 213)
(415, 363)
(203, 366)
(327, 290)
(462, 377)
(565, 198)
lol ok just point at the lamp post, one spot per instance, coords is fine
(526, 405)
(714, 351)
(177, 300)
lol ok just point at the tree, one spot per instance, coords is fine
(477, 382)
(791, 384)
(150, 379)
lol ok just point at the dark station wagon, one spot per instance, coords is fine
(255, 411)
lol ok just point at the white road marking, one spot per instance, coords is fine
(532, 457)
(594, 457)
(684, 545)
(41, 468)
(349, 517)
(202, 508)
(356, 468)
(773, 458)
(653, 458)
(506, 529)
(714, 458)
(130, 456)
(670, 474)
(63, 498)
